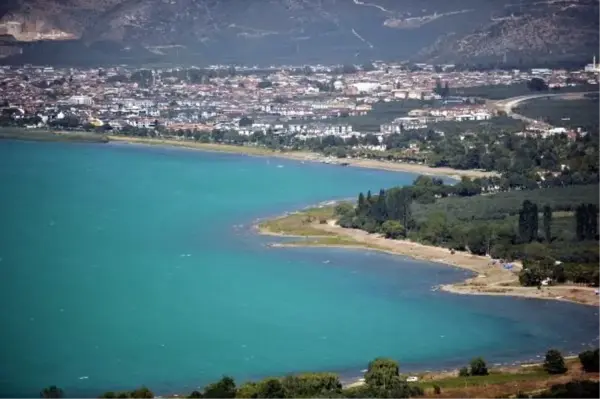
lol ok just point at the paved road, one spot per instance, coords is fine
(507, 105)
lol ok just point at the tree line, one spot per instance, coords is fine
(544, 255)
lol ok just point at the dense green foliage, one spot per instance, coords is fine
(382, 380)
(52, 392)
(528, 222)
(554, 363)
(503, 204)
(590, 360)
(478, 367)
(525, 162)
(586, 219)
(505, 225)
(574, 114)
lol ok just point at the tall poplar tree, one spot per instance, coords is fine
(580, 218)
(592, 221)
(547, 223)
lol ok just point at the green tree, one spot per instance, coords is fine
(463, 372)
(393, 229)
(247, 390)
(537, 84)
(270, 388)
(528, 222)
(478, 367)
(343, 209)
(547, 223)
(530, 277)
(312, 385)
(590, 360)
(142, 392)
(381, 372)
(245, 121)
(580, 222)
(554, 362)
(224, 388)
(362, 205)
(592, 222)
(479, 239)
(52, 392)
(438, 87)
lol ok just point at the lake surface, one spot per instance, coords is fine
(123, 265)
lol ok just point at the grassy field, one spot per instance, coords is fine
(500, 92)
(566, 113)
(495, 377)
(298, 224)
(301, 225)
(49, 135)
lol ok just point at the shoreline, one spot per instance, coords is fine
(490, 278)
(304, 156)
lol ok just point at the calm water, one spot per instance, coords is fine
(122, 266)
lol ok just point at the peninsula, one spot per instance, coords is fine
(483, 249)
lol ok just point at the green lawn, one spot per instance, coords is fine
(299, 223)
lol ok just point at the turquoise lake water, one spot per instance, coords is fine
(123, 265)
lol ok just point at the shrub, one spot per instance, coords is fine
(381, 371)
(195, 394)
(554, 362)
(589, 361)
(478, 367)
(436, 389)
(463, 372)
(344, 209)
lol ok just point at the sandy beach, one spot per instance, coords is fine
(490, 278)
(306, 156)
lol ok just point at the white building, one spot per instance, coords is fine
(593, 67)
(365, 87)
(80, 100)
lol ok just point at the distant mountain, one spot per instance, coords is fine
(277, 31)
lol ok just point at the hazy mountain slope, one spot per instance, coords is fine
(315, 30)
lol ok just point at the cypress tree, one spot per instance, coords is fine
(380, 214)
(580, 224)
(369, 205)
(547, 223)
(591, 221)
(534, 222)
(528, 222)
(361, 206)
(404, 202)
(523, 225)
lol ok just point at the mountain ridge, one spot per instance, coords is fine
(271, 30)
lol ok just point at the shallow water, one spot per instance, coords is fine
(125, 265)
